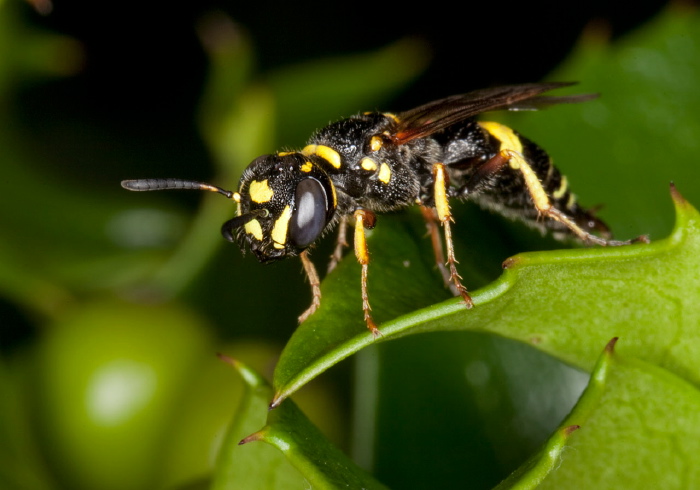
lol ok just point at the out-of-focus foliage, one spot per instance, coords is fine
(117, 303)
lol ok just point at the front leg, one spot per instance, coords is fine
(315, 284)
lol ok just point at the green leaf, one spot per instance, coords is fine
(628, 405)
(631, 290)
(640, 428)
(251, 466)
(548, 460)
(256, 466)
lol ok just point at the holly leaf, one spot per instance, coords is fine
(303, 456)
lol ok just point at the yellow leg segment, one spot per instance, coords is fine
(442, 207)
(364, 218)
(543, 204)
(430, 216)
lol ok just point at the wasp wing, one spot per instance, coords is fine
(440, 114)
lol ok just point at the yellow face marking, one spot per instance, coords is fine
(508, 139)
(375, 143)
(442, 205)
(236, 197)
(260, 192)
(252, 227)
(325, 152)
(335, 194)
(368, 164)
(563, 186)
(384, 173)
(307, 167)
(279, 231)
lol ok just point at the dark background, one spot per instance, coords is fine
(144, 66)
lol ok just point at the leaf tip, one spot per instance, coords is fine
(511, 262)
(610, 347)
(255, 436)
(677, 197)
(227, 359)
(276, 401)
(250, 377)
(566, 431)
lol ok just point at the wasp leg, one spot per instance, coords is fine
(543, 204)
(364, 218)
(315, 284)
(442, 206)
(340, 244)
(431, 224)
(482, 174)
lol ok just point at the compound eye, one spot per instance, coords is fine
(309, 216)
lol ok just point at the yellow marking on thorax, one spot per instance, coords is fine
(368, 164)
(260, 191)
(442, 205)
(306, 167)
(384, 173)
(285, 153)
(392, 116)
(279, 231)
(572, 199)
(236, 197)
(375, 143)
(325, 152)
(509, 140)
(563, 186)
(252, 227)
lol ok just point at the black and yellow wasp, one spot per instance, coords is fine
(376, 162)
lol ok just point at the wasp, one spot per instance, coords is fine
(375, 162)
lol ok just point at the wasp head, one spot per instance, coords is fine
(285, 202)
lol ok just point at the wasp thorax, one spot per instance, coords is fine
(286, 201)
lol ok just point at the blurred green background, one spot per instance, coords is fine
(113, 304)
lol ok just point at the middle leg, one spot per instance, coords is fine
(442, 207)
(364, 219)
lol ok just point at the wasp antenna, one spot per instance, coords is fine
(238, 221)
(165, 184)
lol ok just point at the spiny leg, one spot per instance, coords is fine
(364, 218)
(340, 244)
(544, 206)
(315, 284)
(442, 206)
(430, 217)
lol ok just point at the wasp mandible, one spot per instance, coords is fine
(377, 162)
